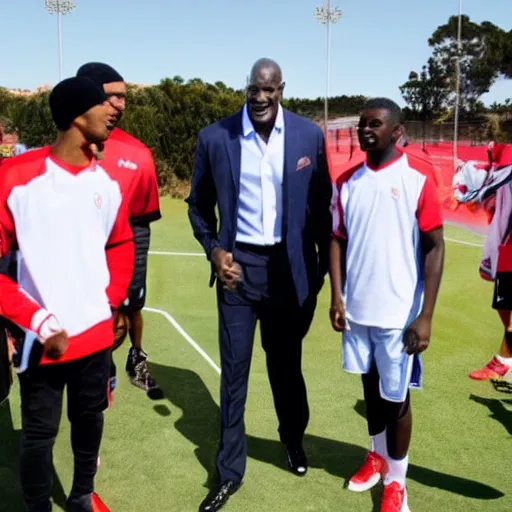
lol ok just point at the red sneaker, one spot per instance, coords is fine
(369, 474)
(97, 504)
(492, 370)
(394, 498)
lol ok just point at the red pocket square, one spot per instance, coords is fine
(303, 162)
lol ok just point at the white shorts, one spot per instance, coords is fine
(398, 371)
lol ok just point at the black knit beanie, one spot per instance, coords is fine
(101, 73)
(73, 97)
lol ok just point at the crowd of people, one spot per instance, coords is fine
(74, 237)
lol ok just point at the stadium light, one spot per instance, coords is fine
(327, 15)
(60, 8)
(457, 89)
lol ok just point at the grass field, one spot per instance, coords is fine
(158, 456)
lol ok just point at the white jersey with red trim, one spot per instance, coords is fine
(75, 246)
(380, 213)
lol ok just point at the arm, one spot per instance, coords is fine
(320, 202)
(417, 336)
(337, 262)
(433, 254)
(337, 255)
(15, 304)
(120, 258)
(202, 201)
(145, 203)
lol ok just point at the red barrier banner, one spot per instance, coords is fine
(344, 153)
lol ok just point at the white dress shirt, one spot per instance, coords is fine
(260, 212)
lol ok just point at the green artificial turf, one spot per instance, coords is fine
(158, 456)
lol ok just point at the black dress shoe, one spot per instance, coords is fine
(297, 460)
(219, 495)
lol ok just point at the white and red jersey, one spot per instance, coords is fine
(75, 245)
(131, 164)
(380, 212)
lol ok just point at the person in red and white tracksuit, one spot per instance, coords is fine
(386, 264)
(131, 164)
(66, 217)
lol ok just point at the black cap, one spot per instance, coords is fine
(99, 72)
(73, 97)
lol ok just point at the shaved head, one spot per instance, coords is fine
(264, 94)
(267, 65)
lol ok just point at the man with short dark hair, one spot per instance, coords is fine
(131, 164)
(266, 170)
(386, 264)
(54, 202)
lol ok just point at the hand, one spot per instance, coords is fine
(338, 317)
(228, 271)
(56, 345)
(417, 335)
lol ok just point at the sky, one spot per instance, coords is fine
(373, 47)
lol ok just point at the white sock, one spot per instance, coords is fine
(505, 360)
(379, 444)
(397, 471)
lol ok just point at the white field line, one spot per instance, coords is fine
(165, 253)
(187, 337)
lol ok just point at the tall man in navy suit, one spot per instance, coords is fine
(266, 170)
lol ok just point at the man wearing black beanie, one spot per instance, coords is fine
(54, 202)
(131, 164)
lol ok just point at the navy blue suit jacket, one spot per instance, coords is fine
(307, 195)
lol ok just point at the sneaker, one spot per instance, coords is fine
(369, 474)
(138, 373)
(97, 504)
(394, 498)
(493, 370)
(88, 503)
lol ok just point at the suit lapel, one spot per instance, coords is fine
(234, 150)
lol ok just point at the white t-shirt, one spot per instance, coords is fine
(380, 212)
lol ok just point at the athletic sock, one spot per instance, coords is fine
(397, 471)
(504, 360)
(379, 444)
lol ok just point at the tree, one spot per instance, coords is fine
(506, 64)
(426, 93)
(482, 56)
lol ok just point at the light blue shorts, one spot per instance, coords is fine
(398, 371)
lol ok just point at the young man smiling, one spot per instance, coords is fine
(386, 264)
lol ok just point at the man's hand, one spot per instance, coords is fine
(228, 271)
(417, 335)
(338, 318)
(56, 345)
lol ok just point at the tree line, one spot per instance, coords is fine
(485, 57)
(168, 116)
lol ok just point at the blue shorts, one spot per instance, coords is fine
(362, 346)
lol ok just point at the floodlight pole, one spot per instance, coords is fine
(60, 8)
(457, 89)
(327, 15)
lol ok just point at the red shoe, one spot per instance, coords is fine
(394, 498)
(491, 371)
(369, 474)
(97, 504)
